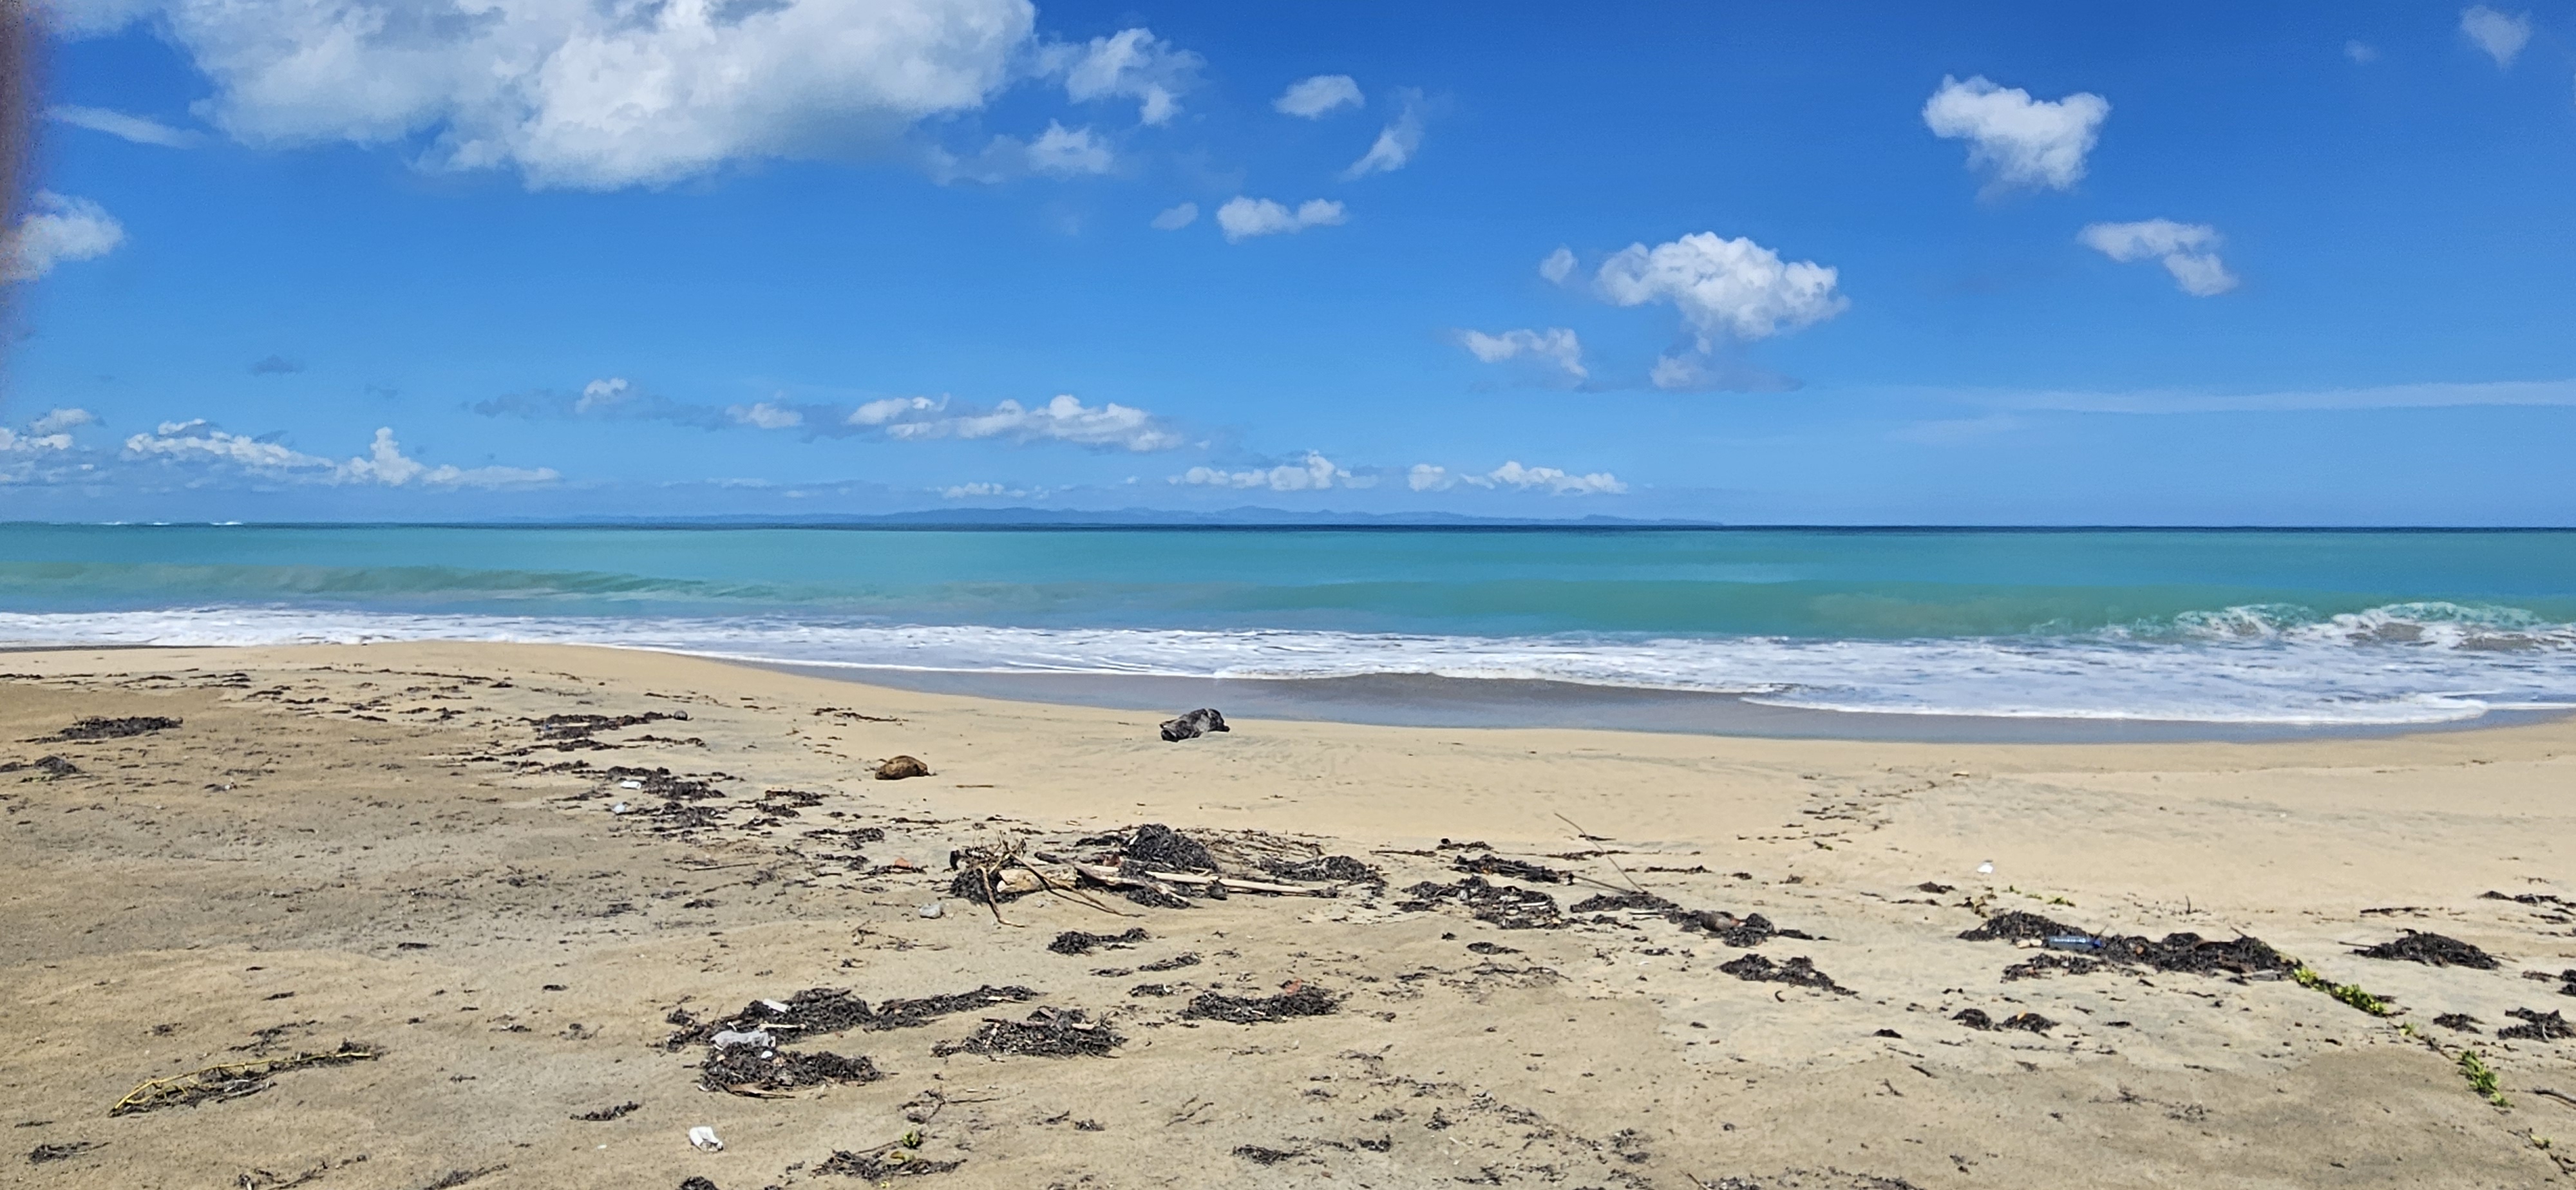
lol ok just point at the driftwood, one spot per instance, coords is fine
(1152, 878)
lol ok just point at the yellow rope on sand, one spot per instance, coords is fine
(207, 1083)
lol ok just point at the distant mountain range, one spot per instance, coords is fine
(1139, 518)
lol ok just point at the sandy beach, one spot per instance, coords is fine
(516, 920)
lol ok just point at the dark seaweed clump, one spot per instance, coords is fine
(2030, 1022)
(1158, 846)
(2016, 926)
(113, 729)
(1078, 942)
(1048, 1033)
(751, 1069)
(1495, 865)
(2432, 950)
(882, 1164)
(1508, 906)
(1340, 869)
(1799, 971)
(1254, 1010)
(2537, 1026)
(1747, 931)
(1618, 901)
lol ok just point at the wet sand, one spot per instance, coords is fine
(386, 845)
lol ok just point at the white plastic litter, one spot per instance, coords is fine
(758, 1037)
(774, 1005)
(630, 785)
(1986, 869)
(703, 1138)
(619, 808)
(933, 909)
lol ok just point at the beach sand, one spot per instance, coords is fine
(381, 845)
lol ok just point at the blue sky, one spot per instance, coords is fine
(1821, 263)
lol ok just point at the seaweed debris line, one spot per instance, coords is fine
(1296, 1000)
(1047, 1033)
(2076, 951)
(230, 1080)
(2432, 950)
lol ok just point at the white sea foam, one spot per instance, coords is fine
(2410, 663)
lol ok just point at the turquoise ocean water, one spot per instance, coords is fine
(2292, 628)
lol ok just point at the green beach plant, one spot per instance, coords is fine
(2482, 1077)
(2349, 993)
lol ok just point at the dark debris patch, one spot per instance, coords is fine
(808, 1013)
(2050, 962)
(46, 1154)
(1801, 1179)
(904, 1014)
(1158, 846)
(1508, 906)
(2028, 1022)
(2432, 950)
(1495, 865)
(2015, 926)
(884, 1163)
(2460, 1022)
(756, 1070)
(1800, 971)
(2537, 1026)
(111, 729)
(50, 766)
(1073, 942)
(605, 1114)
(1259, 1155)
(2193, 954)
(1186, 958)
(1048, 1033)
(1254, 1010)
(1621, 901)
(1335, 869)
(1744, 932)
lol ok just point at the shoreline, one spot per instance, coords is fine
(514, 873)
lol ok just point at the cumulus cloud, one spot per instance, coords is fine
(1724, 288)
(2362, 53)
(981, 490)
(2189, 251)
(1176, 218)
(118, 124)
(1554, 347)
(1426, 477)
(13, 442)
(1132, 64)
(59, 419)
(1243, 218)
(1395, 145)
(2501, 35)
(384, 464)
(1557, 266)
(582, 95)
(1066, 152)
(1064, 419)
(60, 228)
(762, 415)
(1314, 473)
(2024, 141)
(602, 393)
(1317, 97)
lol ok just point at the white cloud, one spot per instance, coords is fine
(2027, 142)
(1319, 96)
(57, 420)
(1064, 419)
(386, 465)
(1059, 152)
(1132, 63)
(1723, 288)
(602, 393)
(60, 228)
(1555, 346)
(585, 95)
(1395, 145)
(2501, 35)
(1243, 218)
(1066, 152)
(982, 491)
(1558, 265)
(2361, 52)
(765, 416)
(194, 442)
(2189, 251)
(114, 123)
(2446, 395)
(1177, 218)
(1425, 477)
(13, 442)
(882, 412)
(1314, 473)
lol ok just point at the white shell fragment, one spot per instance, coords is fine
(703, 1138)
